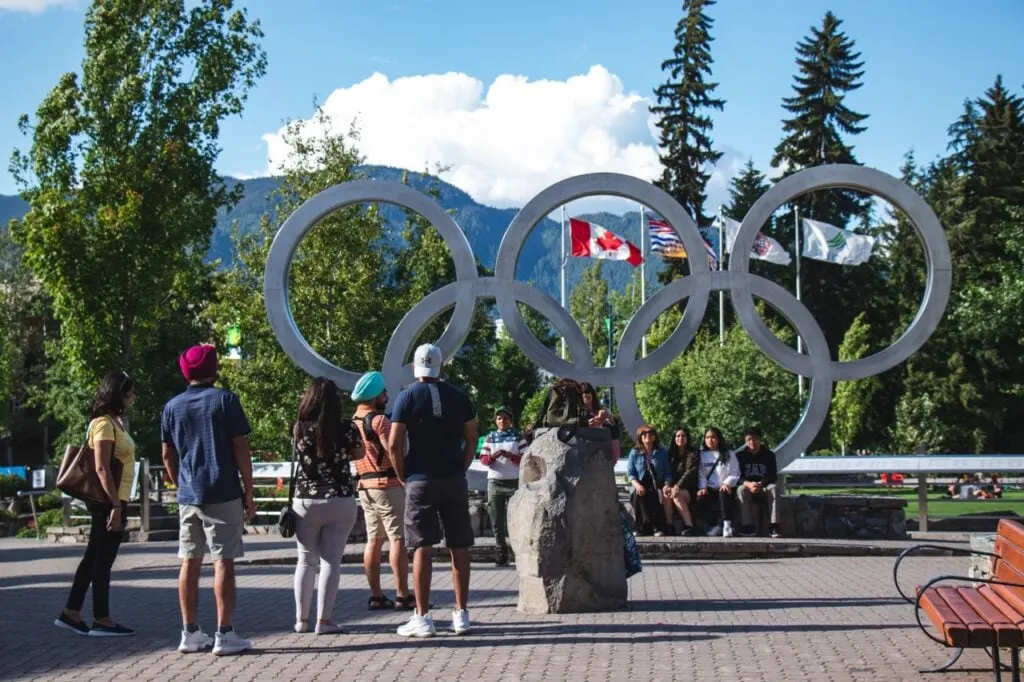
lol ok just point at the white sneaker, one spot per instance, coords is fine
(727, 529)
(228, 643)
(194, 642)
(418, 626)
(301, 626)
(715, 530)
(460, 621)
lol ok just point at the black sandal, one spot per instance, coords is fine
(405, 603)
(381, 602)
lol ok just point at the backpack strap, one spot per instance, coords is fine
(372, 436)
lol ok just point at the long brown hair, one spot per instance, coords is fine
(321, 403)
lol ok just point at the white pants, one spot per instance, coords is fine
(321, 533)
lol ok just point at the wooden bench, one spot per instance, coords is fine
(987, 614)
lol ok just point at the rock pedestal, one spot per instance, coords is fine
(564, 526)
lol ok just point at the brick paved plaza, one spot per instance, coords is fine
(828, 618)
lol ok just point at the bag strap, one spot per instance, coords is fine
(369, 433)
(294, 473)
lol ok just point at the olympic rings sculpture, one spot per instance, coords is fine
(816, 364)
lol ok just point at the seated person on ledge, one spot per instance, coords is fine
(758, 477)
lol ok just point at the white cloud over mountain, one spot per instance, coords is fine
(505, 142)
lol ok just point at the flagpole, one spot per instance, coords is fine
(643, 274)
(562, 274)
(721, 293)
(799, 341)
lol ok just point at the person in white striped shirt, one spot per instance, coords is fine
(502, 450)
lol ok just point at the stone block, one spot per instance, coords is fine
(982, 566)
(564, 526)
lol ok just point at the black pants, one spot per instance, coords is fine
(94, 568)
(650, 516)
(716, 506)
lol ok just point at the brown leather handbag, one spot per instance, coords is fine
(78, 478)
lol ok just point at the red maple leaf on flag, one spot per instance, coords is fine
(608, 241)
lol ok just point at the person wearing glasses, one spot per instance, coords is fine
(109, 440)
(647, 470)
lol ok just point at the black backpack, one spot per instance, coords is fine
(372, 436)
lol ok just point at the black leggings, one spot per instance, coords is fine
(716, 506)
(94, 568)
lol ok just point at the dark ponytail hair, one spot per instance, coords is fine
(322, 403)
(110, 395)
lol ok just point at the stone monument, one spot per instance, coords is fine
(564, 526)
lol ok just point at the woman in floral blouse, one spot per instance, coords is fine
(325, 443)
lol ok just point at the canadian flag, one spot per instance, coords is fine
(590, 240)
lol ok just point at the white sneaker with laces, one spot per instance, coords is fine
(417, 626)
(715, 530)
(460, 621)
(727, 529)
(194, 642)
(229, 643)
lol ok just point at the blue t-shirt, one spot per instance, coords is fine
(434, 414)
(200, 423)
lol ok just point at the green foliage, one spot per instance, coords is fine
(852, 399)
(732, 387)
(10, 485)
(589, 306)
(343, 312)
(123, 194)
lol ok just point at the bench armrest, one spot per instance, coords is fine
(961, 578)
(909, 550)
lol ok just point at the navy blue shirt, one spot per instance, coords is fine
(200, 423)
(434, 425)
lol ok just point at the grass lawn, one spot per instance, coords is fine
(939, 506)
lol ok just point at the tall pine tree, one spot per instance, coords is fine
(745, 189)
(684, 102)
(829, 69)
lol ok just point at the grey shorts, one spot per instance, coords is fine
(213, 528)
(435, 506)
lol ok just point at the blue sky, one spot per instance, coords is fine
(507, 138)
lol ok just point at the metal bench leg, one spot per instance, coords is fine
(945, 666)
(1015, 664)
(996, 668)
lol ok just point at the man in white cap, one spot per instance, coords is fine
(432, 443)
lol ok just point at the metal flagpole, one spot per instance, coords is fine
(799, 341)
(562, 275)
(643, 274)
(721, 293)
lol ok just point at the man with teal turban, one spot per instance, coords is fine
(381, 495)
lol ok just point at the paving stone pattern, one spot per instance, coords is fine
(824, 618)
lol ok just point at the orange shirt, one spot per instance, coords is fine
(369, 463)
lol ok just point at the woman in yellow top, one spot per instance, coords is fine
(109, 440)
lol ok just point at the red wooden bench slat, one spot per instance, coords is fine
(1006, 633)
(980, 632)
(1011, 614)
(944, 618)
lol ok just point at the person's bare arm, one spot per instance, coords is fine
(243, 459)
(470, 434)
(170, 457)
(396, 449)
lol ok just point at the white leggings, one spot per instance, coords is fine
(321, 533)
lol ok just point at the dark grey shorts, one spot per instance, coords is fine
(436, 505)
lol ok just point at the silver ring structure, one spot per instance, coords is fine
(507, 292)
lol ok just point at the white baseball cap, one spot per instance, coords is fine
(427, 361)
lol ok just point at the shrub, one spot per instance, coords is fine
(11, 484)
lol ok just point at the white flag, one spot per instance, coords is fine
(833, 245)
(764, 247)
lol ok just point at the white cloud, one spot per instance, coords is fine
(504, 142)
(34, 6)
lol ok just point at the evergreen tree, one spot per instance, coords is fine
(683, 103)
(829, 69)
(745, 189)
